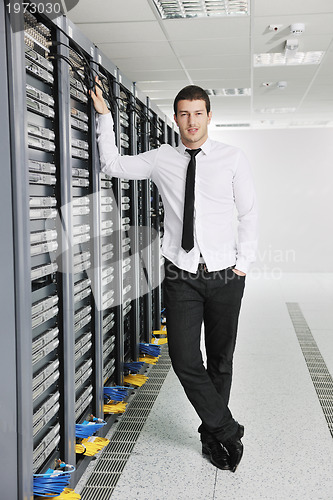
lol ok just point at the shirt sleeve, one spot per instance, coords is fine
(246, 205)
(134, 167)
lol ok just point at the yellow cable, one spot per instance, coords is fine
(151, 360)
(159, 341)
(162, 331)
(66, 494)
(92, 445)
(115, 408)
(137, 380)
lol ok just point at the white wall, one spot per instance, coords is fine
(293, 171)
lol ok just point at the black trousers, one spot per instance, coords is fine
(215, 299)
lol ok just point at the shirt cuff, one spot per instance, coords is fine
(242, 265)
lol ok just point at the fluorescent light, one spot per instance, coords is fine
(229, 92)
(311, 123)
(275, 110)
(173, 9)
(230, 125)
(278, 59)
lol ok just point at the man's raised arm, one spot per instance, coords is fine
(112, 163)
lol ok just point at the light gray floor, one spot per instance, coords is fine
(288, 449)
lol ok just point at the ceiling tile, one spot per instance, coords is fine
(234, 45)
(217, 62)
(201, 29)
(306, 43)
(267, 8)
(315, 24)
(148, 31)
(113, 11)
(163, 94)
(225, 83)
(230, 103)
(320, 92)
(277, 101)
(287, 73)
(173, 85)
(219, 73)
(156, 75)
(147, 63)
(137, 49)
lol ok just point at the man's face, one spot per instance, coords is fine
(193, 120)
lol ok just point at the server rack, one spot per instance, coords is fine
(79, 312)
(144, 223)
(128, 206)
(85, 248)
(111, 262)
(13, 312)
(157, 137)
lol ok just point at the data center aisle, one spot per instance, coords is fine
(288, 445)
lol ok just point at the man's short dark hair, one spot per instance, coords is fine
(191, 93)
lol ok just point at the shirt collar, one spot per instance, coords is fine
(206, 147)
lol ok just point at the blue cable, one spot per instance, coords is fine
(52, 482)
(116, 393)
(134, 366)
(87, 429)
(150, 349)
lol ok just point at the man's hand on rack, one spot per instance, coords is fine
(97, 98)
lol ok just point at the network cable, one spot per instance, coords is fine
(116, 393)
(53, 481)
(151, 349)
(88, 428)
(133, 367)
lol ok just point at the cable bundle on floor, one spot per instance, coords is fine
(159, 337)
(116, 393)
(88, 428)
(133, 367)
(151, 360)
(113, 397)
(137, 380)
(151, 349)
(67, 494)
(115, 408)
(91, 445)
(53, 481)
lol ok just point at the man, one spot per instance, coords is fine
(201, 182)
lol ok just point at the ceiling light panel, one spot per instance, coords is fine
(173, 9)
(275, 110)
(229, 92)
(232, 125)
(280, 59)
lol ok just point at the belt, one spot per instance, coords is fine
(202, 267)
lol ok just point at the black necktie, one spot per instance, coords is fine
(187, 238)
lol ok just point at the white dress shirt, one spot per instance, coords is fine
(223, 182)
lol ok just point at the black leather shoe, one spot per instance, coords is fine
(235, 448)
(216, 454)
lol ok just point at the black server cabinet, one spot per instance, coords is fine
(144, 224)
(43, 165)
(128, 205)
(110, 263)
(157, 137)
(14, 312)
